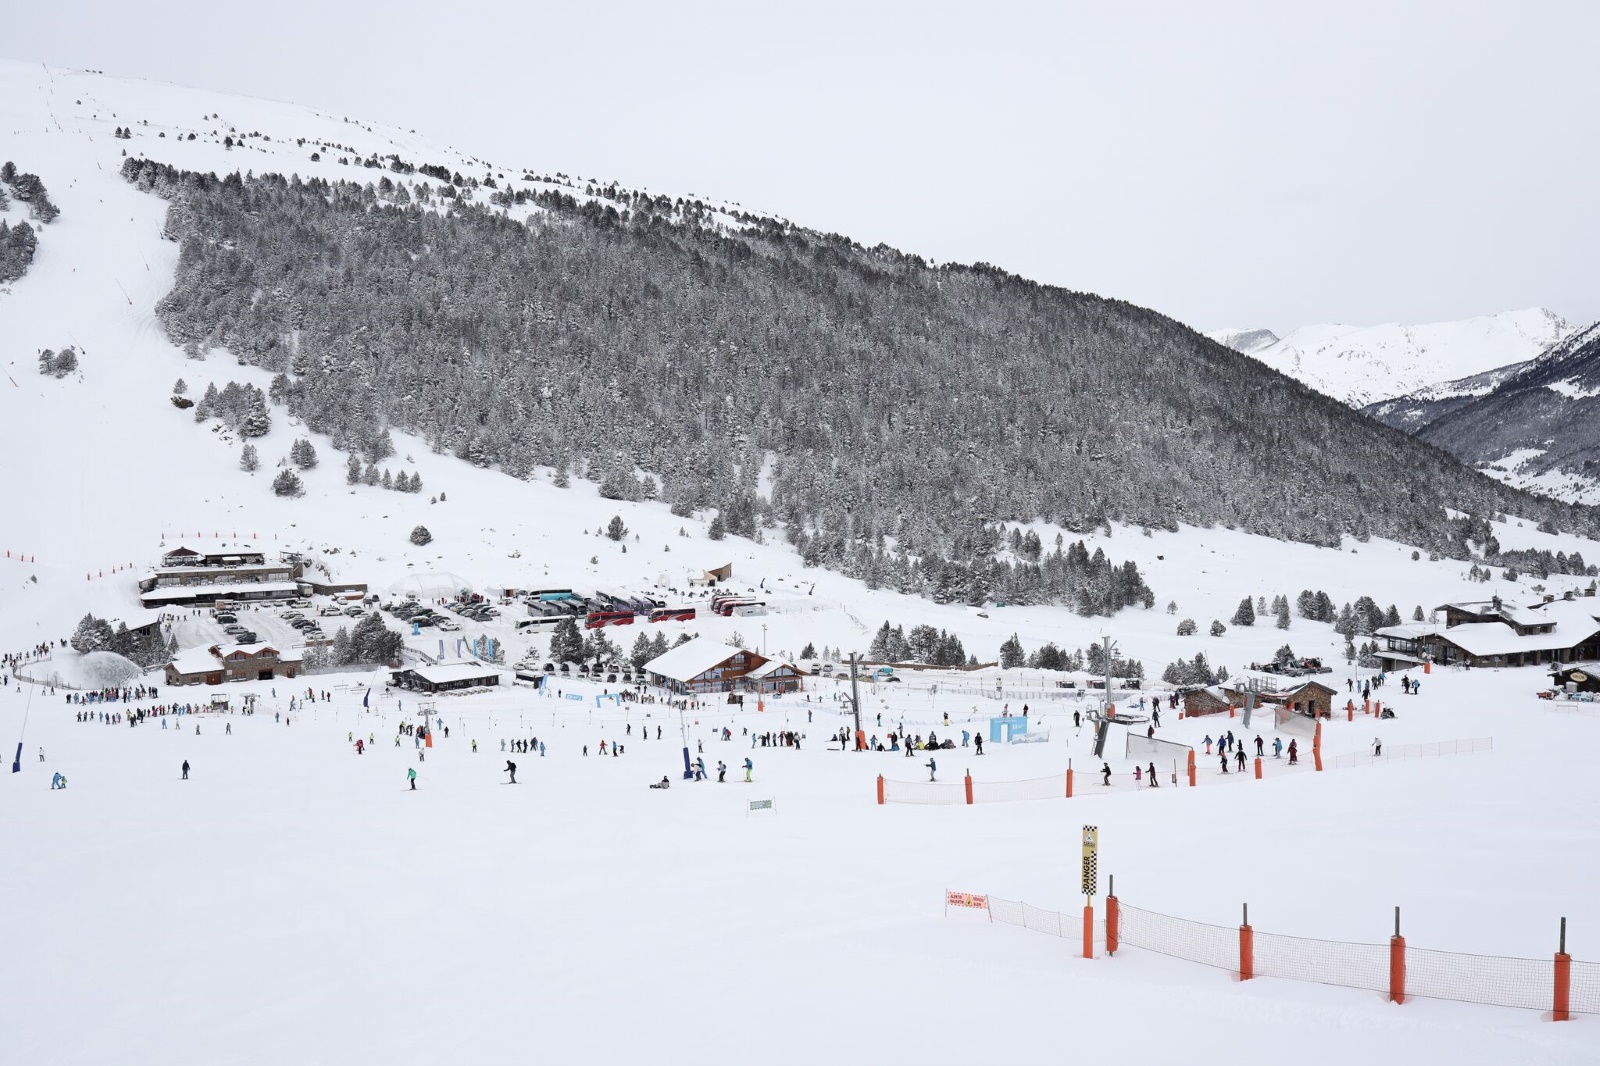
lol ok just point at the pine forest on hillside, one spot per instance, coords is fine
(903, 413)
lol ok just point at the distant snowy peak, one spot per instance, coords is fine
(1248, 341)
(1362, 365)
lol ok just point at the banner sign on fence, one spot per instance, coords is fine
(574, 696)
(966, 899)
(761, 805)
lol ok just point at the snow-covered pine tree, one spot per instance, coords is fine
(352, 470)
(1245, 615)
(287, 483)
(1011, 654)
(249, 460)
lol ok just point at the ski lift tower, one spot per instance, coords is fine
(427, 708)
(1109, 645)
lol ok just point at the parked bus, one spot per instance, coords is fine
(601, 619)
(727, 607)
(672, 614)
(541, 624)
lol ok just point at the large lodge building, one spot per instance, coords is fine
(703, 666)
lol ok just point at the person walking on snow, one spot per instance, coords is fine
(1238, 758)
(1208, 743)
(1224, 762)
(1105, 773)
(1277, 747)
(186, 769)
(1294, 753)
(411, 775)
(1153, 782)
(722, 772)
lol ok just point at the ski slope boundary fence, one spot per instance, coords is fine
(1170, 773)
(1431, 749)
(1558, 985)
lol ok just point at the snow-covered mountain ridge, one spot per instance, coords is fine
(1363, 365)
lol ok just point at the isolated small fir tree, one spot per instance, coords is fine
(352, 470)
(249, 460)
(288, 483)
(615, 529)
(420, 536)
(1217, 628)
(1186, 628)
(1011, 654)
(1245, 615)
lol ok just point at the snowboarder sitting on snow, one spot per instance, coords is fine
(663, 783)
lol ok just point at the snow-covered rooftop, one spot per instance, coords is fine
(445, 673)
(1499, 638)
(688, 661)
(218, 591)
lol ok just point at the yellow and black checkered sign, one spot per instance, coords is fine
(1091, 859)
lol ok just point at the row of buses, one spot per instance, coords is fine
(550, 607)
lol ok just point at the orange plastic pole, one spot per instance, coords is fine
(1113, 916)
(1397, 963)
(1191, 767)
(1247, 952)
(1563, 984)
(1427, 668)
(1258, 768)
(1069, 782)
(1350, 710)
(1563, 998)
(1088, 930)
(1316, 748)
(1366, 706)
(969, 790)
(880, 790)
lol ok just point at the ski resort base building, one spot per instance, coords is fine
(239, 662)
(703, 665)
(446, 677)
(1494, 633)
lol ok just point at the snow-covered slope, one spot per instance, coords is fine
(1248, 341)
(1362, 365)
(345, 928)
(1536, 429)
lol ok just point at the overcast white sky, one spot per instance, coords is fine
(1238, 164)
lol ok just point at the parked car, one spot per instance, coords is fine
(327, 611)
(448, 626)
(354, 612)
(246, 637)
(227, 619)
